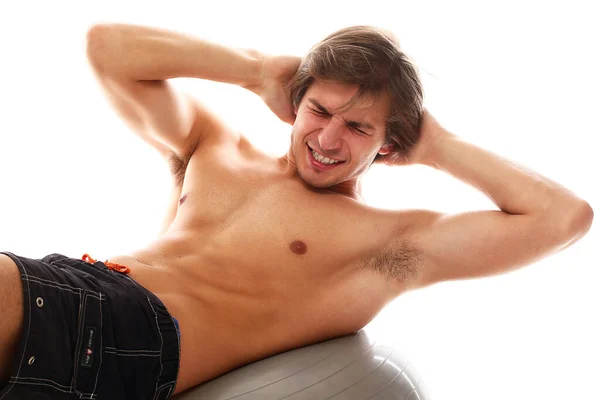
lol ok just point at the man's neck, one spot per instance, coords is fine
(350, 188)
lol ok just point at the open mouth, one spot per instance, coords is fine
(322, 163)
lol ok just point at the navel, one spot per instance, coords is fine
(182, 199)
(298, 247)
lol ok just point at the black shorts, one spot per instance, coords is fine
(90, 333)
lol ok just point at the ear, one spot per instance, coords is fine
(385, 149)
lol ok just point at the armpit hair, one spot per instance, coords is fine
(178, 166)
(398, 261)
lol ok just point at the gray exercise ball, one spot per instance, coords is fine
(349, 367)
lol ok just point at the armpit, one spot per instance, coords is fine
(397, 262)
(178, 166)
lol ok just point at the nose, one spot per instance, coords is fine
(330, 137)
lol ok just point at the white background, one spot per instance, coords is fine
(519, 78)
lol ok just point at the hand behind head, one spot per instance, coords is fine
(430, 133)
(276, 73)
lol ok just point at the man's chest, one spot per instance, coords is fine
(243, 211)
(251, 209)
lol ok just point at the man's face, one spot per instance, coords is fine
(353, 138)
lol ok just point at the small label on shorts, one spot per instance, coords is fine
(87, 356)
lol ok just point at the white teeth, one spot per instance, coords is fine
(322, 159)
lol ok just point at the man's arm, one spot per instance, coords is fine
(537, 216)
(133, 64)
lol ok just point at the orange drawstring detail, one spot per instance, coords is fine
(114, 266)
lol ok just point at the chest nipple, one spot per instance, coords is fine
(182, 199)
(298, 247)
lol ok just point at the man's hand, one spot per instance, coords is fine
(430, 133)
(276, 73)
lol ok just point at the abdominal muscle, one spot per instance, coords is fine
(221, 329)
(207, 345)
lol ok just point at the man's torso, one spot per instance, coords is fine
(256, 263)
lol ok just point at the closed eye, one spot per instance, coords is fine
(321, 113)
(358, 130)
(325, 114)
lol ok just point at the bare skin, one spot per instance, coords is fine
(269, 266)
(260, 255)
(11, 310)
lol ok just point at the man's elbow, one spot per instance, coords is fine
(580, 221)
(100, 40)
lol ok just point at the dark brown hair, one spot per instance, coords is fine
(370, 57)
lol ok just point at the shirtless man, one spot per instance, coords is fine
(260, 255)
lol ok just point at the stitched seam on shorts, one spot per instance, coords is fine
(134, 351)
(161, 347)
(131, 355)
(163, 387)
(52, 384)
(165, 384)
(25, 379)
(81, 318)
(58, 286)
(28, 328)
(24, 382)
(76, 291)
(101, 335)
(161, 338)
